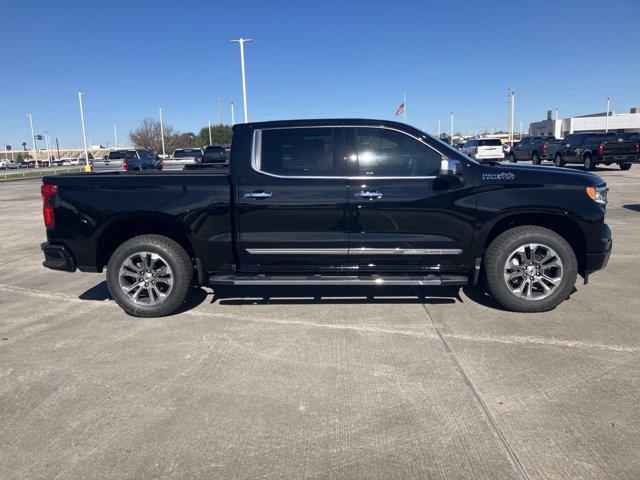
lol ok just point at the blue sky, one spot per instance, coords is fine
(310, 59)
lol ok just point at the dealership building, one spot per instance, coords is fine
(596, 122)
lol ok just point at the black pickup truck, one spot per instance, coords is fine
(535, 149)
(331, 202)
(592, 149)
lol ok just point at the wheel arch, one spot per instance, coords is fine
(562, 224)
(122, 229)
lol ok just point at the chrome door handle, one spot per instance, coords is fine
(369, 195)
(258, 195)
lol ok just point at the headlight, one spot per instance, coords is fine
(598, 194)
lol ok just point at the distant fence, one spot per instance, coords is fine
(64, 153)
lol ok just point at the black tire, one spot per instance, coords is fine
(535, 159)
(512, 158)
(625, 166)
(497, 255)
(589, 163)
(177, 259)
(558, 162)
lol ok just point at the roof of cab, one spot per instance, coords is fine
(325, 121)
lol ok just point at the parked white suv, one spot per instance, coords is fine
(484, 149)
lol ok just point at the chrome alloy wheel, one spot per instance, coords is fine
(146, 278)
(533, 271)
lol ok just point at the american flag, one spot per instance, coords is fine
(400, 109)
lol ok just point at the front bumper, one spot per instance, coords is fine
(57, 257)
(599, 259)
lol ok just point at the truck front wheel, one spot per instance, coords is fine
(149, 276)
(625, 166)
(589, 163)
(558, 162)
(530, 269)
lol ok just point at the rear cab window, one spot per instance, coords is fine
(299, 152)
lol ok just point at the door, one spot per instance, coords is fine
(292, 202)
(571, 147)
(522, 150)
(402, 218)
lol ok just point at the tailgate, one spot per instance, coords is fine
(618, 149)
(106, 165)
(490, 151)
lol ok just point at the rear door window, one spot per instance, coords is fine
(300, 152)
(388, 153)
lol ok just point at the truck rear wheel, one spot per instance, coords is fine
(149, 276)
(589, 163)
(530, 269)
(625, 166)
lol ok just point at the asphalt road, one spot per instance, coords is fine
(440, 385)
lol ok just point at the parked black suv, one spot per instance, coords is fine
(331, 202)
(591, 149)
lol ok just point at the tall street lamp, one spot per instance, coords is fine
(162, 133)
(33, 137)
(242, 41)
(84, 129)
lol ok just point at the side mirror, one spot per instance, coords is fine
(450, 167)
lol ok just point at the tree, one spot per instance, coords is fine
(220, 134)
(148, 136)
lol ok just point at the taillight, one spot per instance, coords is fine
(124, 165)
(48, 192)
(161, 164)
(600, 149)
(544, 148)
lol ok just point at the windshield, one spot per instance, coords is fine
(215, 155)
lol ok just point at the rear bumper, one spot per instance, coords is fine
(621, 158)
(57, 257)
(599, 259)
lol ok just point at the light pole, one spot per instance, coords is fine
(606, 126)
(84, 129)
(33, 137)
(242, 41)
(233, 115)
(210, 142)
(162, 133)
(115, 134)
(451, 128)
(46, 141)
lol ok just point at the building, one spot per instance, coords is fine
(595, 122)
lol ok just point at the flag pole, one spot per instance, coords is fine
(404, 102)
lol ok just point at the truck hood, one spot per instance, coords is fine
(513, 173)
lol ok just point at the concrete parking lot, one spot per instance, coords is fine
(316, 383)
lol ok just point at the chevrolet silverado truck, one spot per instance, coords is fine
(331, 202)
(535, 149)
(592, 149)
